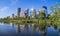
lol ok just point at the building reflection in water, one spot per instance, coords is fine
(33, 28)
(29, 28)
(42, 30)
(26, 28)
(12, 25)
(22, 28)
(18, 28)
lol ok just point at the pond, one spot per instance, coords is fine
(10, 29)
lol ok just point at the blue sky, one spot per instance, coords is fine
(8, 7)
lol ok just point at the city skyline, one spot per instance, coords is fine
(8, 7)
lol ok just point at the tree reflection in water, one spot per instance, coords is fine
(31, 28)
(55, 26)
(42, 28)
(59, 31)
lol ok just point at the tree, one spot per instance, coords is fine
(42, 14)
(56, 11)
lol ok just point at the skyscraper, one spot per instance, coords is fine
(27, 12)
(41, 13)
(22, 14)
(32, 13)
(45, 10)
(18, 11)
(13, 15)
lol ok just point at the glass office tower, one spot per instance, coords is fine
(18, 12)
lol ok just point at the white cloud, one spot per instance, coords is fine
(3, 9)
(13, 2)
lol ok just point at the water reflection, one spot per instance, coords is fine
(12, 25)
(51, 31)
(59, 31)
(18, 28)
(28, 29)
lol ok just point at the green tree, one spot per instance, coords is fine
(56, 11)
(42, 14)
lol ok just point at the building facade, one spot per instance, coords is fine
(32, 13)
(22, 14)
(13, 15)
(27, 12)
(18, 11)
(45, 10)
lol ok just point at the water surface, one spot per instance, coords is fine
(10, 29)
